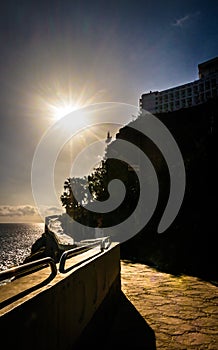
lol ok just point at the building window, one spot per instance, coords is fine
(177, 104)
(183, 93)
(201, 98)
(165, 107)
(196, 100)
(189, 102)
(189, 91)
(183, 103)
(201, 87)
(207, 85)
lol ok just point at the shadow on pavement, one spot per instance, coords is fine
(123, 329)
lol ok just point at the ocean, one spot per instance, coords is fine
(16, 241)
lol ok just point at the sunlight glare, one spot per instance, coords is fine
(59, 111)
(55, 99)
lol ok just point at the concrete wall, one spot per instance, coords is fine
(55, 316)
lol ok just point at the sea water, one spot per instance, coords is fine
(16, 241)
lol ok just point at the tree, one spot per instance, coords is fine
(78, 192)
(98, 182)
(75, 194)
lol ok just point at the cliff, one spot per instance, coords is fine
(188, 245)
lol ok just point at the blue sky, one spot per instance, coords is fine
(85, 52)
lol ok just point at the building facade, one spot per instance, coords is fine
(186, 95)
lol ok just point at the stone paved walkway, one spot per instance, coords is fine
(182, 311)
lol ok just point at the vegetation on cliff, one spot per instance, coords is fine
(188, 245)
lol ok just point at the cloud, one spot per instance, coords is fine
(24, 210)
(48, 211)
(181, 21)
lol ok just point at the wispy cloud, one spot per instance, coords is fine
(25, 210)
(182, 20)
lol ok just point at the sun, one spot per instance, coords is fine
(55, 100)
(59, 110)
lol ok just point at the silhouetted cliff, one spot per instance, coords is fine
(188, 245)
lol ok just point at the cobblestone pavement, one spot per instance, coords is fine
(182, 311)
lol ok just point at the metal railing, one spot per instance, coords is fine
(33, 266)
(25, 269)
(84, 246)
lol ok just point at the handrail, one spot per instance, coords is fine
(25, 269)
(89, 244)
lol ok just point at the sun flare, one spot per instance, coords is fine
(60, 110)
(55, 100)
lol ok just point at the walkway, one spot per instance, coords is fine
(181, 311)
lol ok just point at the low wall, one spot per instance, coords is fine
(58, 314)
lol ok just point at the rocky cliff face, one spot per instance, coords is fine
(188, 245)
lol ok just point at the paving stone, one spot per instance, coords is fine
(182, 311)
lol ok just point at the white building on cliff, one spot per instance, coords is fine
(187, 95)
